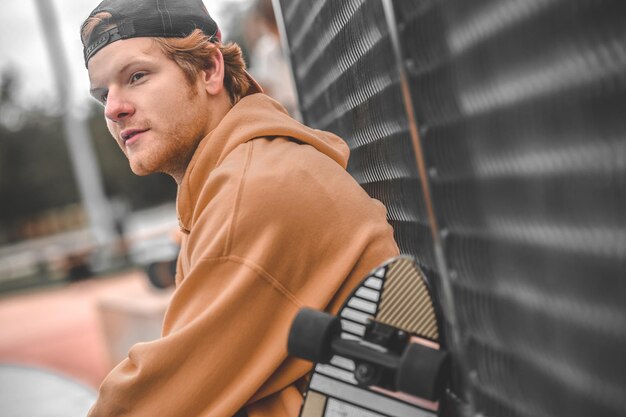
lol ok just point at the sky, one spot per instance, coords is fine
(23, 47)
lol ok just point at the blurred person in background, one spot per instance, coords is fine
(268, 64)
(271, 221)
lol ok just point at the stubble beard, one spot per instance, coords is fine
(171, 151)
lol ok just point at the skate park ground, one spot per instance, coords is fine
(74, 332)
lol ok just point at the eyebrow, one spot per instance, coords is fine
(95, 92)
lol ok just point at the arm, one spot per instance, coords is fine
(221, 346)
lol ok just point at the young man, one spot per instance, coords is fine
(271, 220)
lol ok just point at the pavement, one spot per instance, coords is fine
(63, 330)
(32, 392)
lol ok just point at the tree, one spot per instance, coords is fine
(36, 174)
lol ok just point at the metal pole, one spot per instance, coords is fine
(284, 40)
(448, 306)
(77, 135)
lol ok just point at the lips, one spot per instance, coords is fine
(129, 134)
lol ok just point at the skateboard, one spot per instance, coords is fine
(381, 356)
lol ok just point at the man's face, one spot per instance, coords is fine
(154, 114)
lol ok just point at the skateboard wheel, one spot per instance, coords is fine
(423, 371)
(367, 374)
(311, 335)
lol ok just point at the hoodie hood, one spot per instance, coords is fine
(254, 116)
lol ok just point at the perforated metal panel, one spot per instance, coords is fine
(521, 112)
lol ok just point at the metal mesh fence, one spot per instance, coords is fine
(520, 109)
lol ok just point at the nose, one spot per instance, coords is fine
(117, 108)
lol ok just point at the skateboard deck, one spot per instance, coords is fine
(385, 340)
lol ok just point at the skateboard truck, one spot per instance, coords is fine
(386, 357)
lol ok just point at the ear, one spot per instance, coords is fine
(213, 77)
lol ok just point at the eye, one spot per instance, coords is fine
(136, 77)
(103, 98)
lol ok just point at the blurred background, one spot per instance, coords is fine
(87, 249)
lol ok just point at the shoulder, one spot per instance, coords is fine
(287, 167)
(290, 182)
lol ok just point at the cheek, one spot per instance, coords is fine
(111, 127)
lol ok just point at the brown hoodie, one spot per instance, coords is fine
(272, 223)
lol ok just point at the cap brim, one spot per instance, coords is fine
(255, 87)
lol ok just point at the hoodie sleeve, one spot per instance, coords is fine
(230, 321)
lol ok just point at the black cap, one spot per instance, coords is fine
(152, 18)
(148, 18)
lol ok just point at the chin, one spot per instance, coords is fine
(140, 170)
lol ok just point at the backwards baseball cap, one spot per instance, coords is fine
(151, 18)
